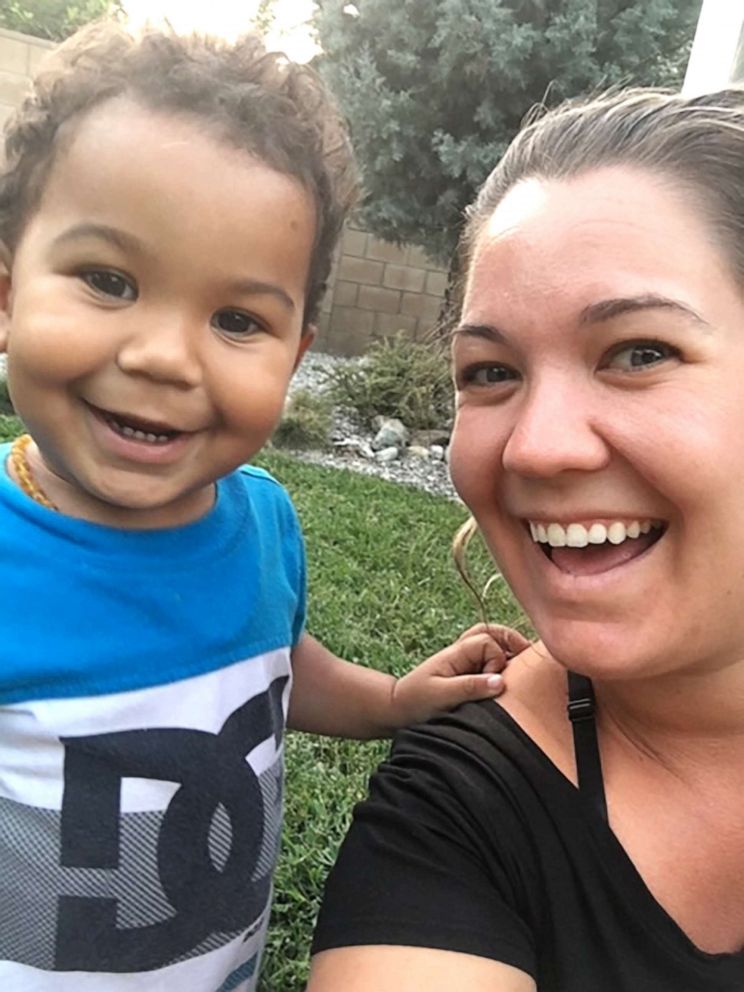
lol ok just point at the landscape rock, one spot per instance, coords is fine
(427, 438)
(390, 454)
(437, 452)
(417, 451)
(391, 433)
(431, 475)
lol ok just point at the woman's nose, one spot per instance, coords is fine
(556, 430)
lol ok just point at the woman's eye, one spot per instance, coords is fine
(235, 323)
(487, 375)
(109, 283)
(641, 355)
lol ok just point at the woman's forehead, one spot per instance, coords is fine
(612, 231)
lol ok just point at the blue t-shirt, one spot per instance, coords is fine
(144, 681)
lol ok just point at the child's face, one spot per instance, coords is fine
(154, 315)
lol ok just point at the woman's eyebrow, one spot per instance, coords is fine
(608, 309)
(486, 331)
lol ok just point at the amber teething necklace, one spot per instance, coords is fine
(24, 475)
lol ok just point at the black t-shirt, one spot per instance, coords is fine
(473, 841)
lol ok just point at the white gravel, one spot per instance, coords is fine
(430, 475)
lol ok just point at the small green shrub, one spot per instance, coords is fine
(10, 427)
(6, 404)
(397, 378)
(306, 422)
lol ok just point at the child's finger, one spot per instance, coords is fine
(511, 641)
(468, 688)
(478, 652)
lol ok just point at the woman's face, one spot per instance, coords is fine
(599, 439)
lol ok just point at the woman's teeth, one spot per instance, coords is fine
(579, 536)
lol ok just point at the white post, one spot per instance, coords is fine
(717, 56)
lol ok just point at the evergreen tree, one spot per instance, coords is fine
(52, 19)
(435, 89)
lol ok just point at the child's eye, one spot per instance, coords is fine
(639, 355)
(235, 323)
(107, 282)
(491, 374)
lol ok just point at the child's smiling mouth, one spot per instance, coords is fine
(131, 428)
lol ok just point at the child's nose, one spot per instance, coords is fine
(165, 348)
(556, 430)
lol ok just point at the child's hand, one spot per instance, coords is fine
(464, 671)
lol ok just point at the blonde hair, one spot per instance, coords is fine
(696, 142)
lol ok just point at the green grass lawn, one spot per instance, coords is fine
(383, 592)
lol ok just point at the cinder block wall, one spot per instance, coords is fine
(375, 289)
(20, 55)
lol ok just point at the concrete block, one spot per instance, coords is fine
(422, 306)
(404, 277)
(436, 283)
(417, 257)
(345, 294)
(349, 343)
(381, 300)
(387, 325)
(360, 270)
(37, 52)
(354, 242)
(14, 55)
(384, 251)
(350, 320)
(13, 88)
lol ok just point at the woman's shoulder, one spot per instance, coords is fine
(526, 728)
(498, 760)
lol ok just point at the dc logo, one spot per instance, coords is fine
(211, 771)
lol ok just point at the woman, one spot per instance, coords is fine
(599, 444)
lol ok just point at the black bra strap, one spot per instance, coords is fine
(586, 746)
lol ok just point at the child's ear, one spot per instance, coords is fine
(5, 262)
(309, 333)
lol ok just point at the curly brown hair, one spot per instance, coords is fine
(254, 100)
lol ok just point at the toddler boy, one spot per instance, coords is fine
(168, 208)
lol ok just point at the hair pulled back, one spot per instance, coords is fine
(697, 143)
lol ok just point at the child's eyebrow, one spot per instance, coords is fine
(114, 236)
(254, 287)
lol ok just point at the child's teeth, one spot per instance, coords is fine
(138, 435)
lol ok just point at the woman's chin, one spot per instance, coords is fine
(602, 651)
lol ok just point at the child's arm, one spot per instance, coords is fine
(341, 699)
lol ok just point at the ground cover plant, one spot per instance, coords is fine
(410, 380)
(10, 427)
(382, 591)
(306, 422)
